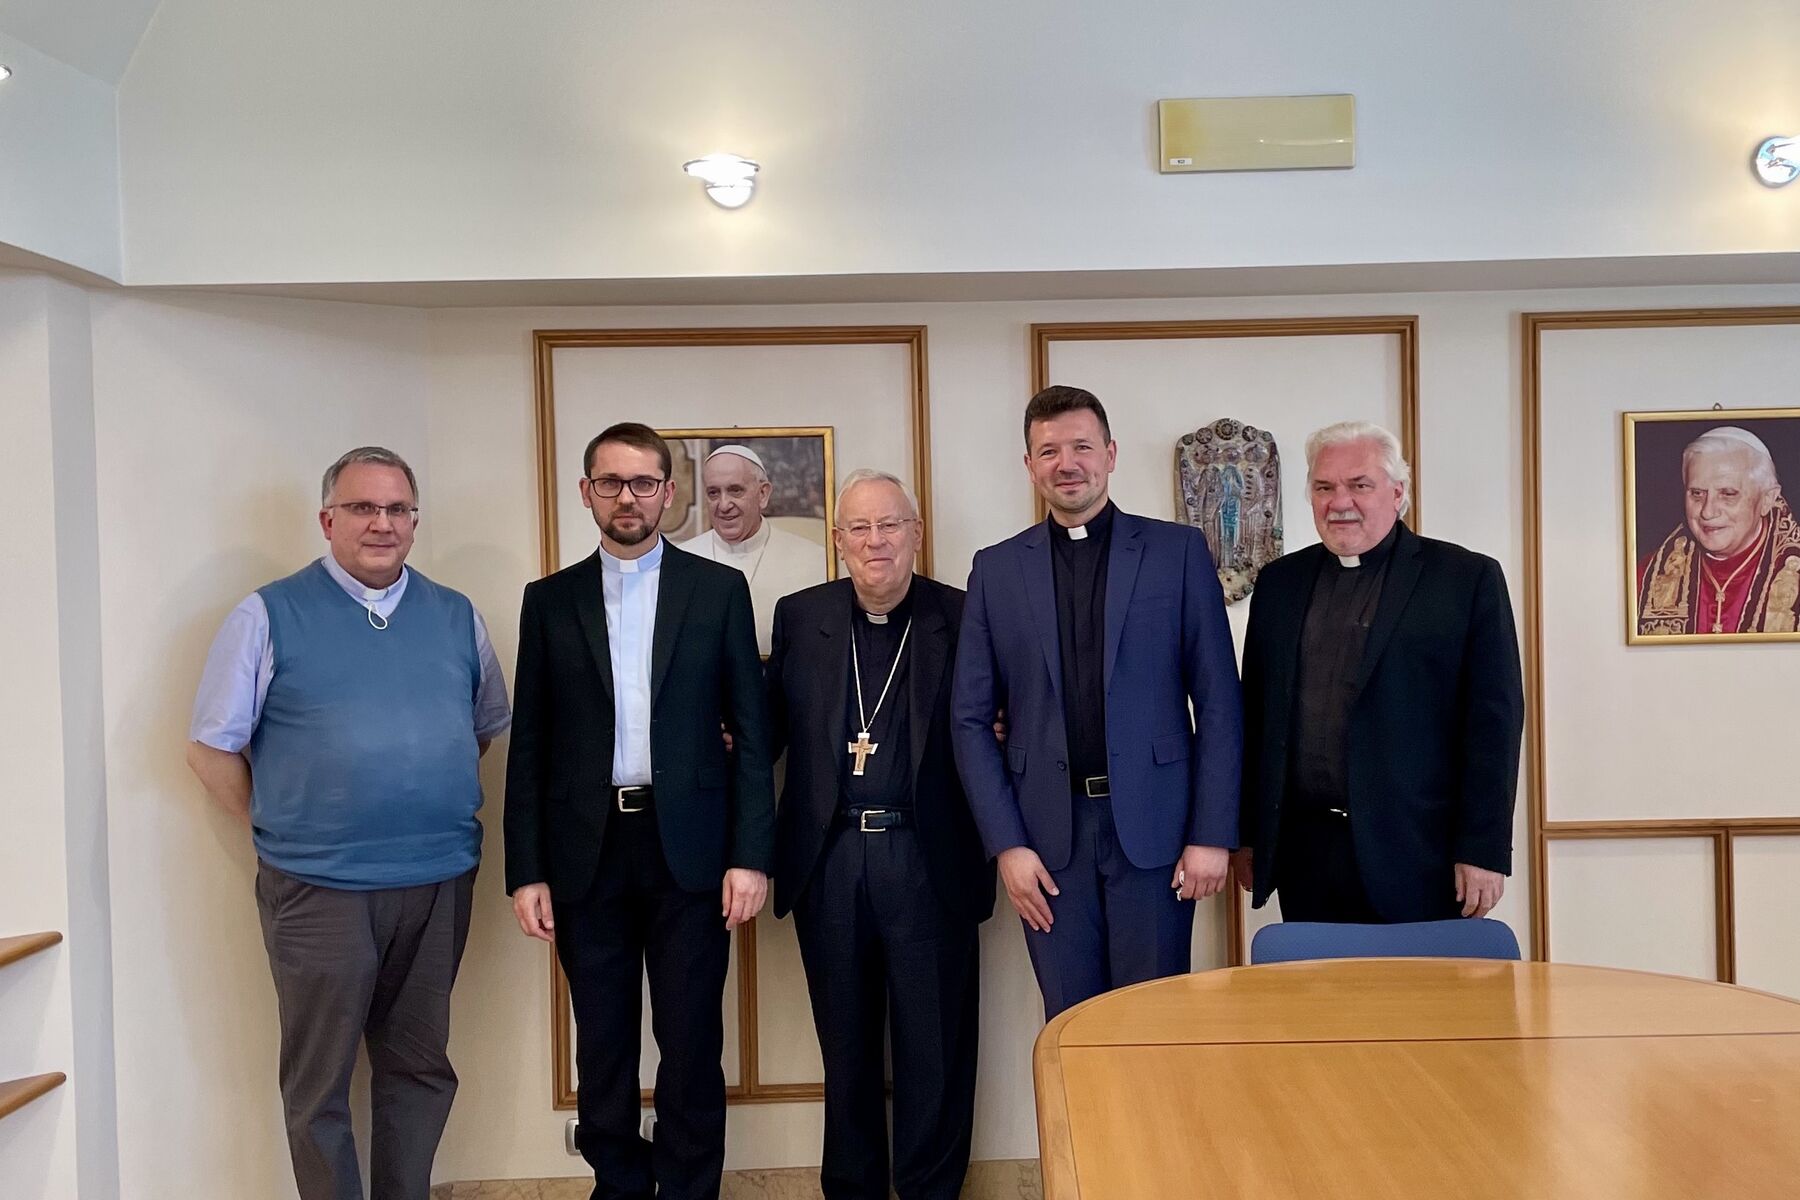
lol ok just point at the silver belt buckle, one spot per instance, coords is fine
(1339, 812)
(627, 791)
(862, 820)
(1100, 782)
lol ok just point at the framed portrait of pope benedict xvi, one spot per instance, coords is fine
(1712, 545)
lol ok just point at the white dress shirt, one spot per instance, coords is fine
(630, 586)
(241, 663)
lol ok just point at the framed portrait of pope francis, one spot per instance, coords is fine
(758, 500)
(1713, 548)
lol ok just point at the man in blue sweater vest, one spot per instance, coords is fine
(342, 712)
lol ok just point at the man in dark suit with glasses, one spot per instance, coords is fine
(635, 841)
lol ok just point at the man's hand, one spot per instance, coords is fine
(226, 777)
(1478, 890)
(531, 905)
(1201, 872)
(743, 895)
(725, 733)
(1243, 868)
(1000, 727)
(1027, 882)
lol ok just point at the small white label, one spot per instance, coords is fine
(1181, 162)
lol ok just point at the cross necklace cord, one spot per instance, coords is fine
(862, 747)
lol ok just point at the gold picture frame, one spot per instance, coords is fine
(803, 493)
(547, 345)
(1668, 576)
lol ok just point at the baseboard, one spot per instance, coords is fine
(998, 1179)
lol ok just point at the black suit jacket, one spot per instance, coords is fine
(808, 677)
(1434, 726)
(714, 810)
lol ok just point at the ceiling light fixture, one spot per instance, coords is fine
(1778, 161)
(729, 178)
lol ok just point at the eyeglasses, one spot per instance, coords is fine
(859, 531)
(365, 510)
(642, 486)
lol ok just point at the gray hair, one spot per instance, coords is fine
(869, 475)
(1728, 438)
(378, 456)
(1393, 459)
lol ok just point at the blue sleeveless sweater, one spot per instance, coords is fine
(363, 764)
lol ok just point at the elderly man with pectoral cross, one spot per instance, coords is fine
(876, 854)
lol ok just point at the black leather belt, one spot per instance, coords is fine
(633, 799)
(1096, 787)
(877, 820)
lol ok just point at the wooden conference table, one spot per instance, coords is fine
(1422, 1077)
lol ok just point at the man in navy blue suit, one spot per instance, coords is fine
(1110, 804)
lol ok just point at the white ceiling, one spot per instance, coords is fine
(96, 37)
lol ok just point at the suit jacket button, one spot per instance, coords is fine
(1062, 766)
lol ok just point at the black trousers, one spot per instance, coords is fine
(353, 967)
(883, 956)
(1316, 873)
(636, 920)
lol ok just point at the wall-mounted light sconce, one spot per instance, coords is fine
(1778, 161)
(5, 72)
(729, 178)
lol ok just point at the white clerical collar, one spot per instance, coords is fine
(650, 560)
(748, 546)
(357, 589)
(877, 618)
(1077, 532)
(1349, 560)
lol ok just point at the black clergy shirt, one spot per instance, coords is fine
(886, 781)
(1079, 566)
(1332, 640)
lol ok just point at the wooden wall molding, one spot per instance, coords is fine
(1722, 831)
(1404, 330)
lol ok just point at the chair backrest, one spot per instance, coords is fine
(1477, 937)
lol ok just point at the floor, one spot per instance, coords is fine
(1007, 1180)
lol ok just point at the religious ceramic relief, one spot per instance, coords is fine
(1228, 479)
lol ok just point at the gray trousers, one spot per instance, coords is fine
(355, 966)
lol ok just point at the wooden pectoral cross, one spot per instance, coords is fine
(860, 750)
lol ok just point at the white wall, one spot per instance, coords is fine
(59, 147)
(55, 1008)
(460, 139)
(213, 419)
(37, 1144)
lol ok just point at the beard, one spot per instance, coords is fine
(630, 535)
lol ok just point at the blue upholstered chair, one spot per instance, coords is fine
(1476, 937)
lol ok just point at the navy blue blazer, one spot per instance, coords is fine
(1174, 777)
